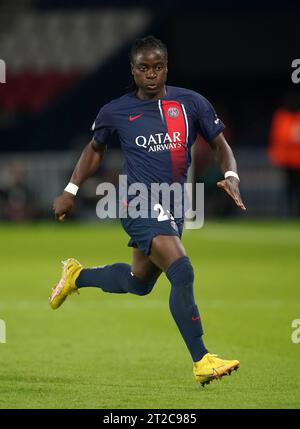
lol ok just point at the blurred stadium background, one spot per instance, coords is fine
(64, 60)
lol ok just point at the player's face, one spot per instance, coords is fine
(149, 71)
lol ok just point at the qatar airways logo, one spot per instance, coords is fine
(160, 142)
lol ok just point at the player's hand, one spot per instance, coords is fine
(231, 186)
(63, 205)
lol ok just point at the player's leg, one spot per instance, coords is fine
(168, 253)
(138, 279)
(142, 267)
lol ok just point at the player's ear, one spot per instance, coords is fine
(131, 66)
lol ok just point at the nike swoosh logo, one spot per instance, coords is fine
(133, 118)
(195, 318)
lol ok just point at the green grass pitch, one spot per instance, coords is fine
(101, 350)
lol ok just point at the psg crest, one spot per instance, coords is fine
(173, 112)
(174, 225)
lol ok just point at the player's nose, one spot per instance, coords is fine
(151, 74)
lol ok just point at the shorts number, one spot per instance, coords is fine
(162, 216)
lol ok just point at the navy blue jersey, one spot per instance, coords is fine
(156, 135)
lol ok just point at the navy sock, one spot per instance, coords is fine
(115, 278)
(183, 307)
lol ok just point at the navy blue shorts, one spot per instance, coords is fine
(142, 231)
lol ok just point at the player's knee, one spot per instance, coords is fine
(181, 273)
(141, 287)
(144, 291)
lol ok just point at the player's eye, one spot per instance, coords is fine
(159, 67)
(142, 68)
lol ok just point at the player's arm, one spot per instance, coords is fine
(88, 163)
(226, 161)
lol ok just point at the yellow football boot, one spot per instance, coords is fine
(211, 367)
(66, 285)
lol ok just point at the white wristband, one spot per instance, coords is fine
(231, 174)
(71, 188)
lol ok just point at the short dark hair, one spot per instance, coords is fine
(148, 42)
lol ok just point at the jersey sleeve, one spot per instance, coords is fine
(208, 122)
(102, 127)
